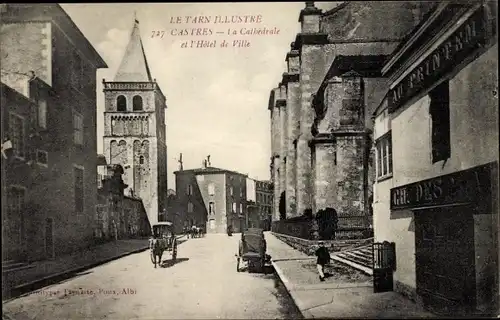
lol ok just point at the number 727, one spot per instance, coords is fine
(157, 34)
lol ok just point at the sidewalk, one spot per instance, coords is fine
(43, 273)
(347, 293)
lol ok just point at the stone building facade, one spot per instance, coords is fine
(264, 201)
(118, 216)
(259, 203)
(134, 127)
(436, 138)
(48, 73)
(212, 198)
(320, 124)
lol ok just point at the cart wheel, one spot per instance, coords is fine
(174, 251)
(238, 265)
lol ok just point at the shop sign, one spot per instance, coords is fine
(468, 37)
(468, 186)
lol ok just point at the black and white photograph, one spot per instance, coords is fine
(250, 160)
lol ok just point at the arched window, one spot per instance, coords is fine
(137, 103)
(121, 103)
(141, 160)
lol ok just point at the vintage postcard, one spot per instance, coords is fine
(232, 160)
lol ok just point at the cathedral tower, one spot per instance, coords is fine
(134, 128)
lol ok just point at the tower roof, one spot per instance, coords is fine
(134, 65)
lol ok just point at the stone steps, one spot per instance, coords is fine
(361, 255)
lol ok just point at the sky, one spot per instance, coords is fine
(217, 98)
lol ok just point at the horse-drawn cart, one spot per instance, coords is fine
(163, 239)
(252, 250)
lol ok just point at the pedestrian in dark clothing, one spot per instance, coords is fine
(323, 259)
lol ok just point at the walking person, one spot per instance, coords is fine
(323, 259)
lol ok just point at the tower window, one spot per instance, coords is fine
(121, 103)
(141, 160)
(137, 103)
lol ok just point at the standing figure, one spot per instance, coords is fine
(323, 259)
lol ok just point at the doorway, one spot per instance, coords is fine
(444, 257)
(49, 238)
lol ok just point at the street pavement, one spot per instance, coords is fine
(202, 284)
(345, 293)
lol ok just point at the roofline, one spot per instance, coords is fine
(18, 94)
(379, 108)
(97, 57)
(201, 171)
(413, 35)
(334, 10)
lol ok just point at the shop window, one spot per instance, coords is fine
(384, 156)
(440, 120)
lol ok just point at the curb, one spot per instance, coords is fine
(40, 282)
(49, 278)
(289, 288)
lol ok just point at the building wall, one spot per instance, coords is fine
(264, 202)
(238, 217)
(293, 130)
(223, 182)
(26, 46)
(220, 216)
(362, 20)
(122, 134)
(474, 141)
(75, 93)
(199, 212)
(276, 159)
(472, 106)
(126, 213)
(315, 60)
(353, 29)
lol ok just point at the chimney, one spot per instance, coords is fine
(204, 164)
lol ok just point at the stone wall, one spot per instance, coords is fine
(310, 246)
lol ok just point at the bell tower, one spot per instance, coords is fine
(134, 127)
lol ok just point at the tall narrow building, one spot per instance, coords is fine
(134, 127)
